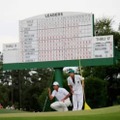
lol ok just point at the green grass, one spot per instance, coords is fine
(4, 111)
(110, 113)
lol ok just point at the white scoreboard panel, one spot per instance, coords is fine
(56, 36)
(11, 53)
(103, 46)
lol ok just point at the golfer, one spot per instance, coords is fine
(62, 96)
(76, 85)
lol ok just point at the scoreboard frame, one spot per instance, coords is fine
(61, 63)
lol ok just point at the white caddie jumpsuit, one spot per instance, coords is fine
(77, 97)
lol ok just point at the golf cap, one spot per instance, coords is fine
(56, 83)
(71, 71)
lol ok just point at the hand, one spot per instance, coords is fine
(49, 90)
(72, 92)
(62, 100)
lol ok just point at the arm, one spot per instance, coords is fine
(82, 82)
(70, 86)
(49, 94)
(71, 89)
(67, 96)
(83, 85)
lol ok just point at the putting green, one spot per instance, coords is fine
(108, 113)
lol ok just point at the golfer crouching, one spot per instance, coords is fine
(62, 95)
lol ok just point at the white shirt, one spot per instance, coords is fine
(60, 94)
(77, 86)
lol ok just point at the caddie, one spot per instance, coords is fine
(76, 85)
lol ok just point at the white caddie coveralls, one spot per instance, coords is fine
(77, 97)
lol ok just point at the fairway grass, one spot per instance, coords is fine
(109, 113)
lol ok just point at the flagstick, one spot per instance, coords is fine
(81, 73)
(85, 105)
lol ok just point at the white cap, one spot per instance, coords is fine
(56, 83)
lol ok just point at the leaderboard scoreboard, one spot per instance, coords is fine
(58, 36)
(58, 40)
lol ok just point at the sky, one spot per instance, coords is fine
(11, 11)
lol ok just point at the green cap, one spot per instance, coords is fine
(71, 71)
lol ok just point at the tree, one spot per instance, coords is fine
(107, 73)
(36, 84)
(96, 92)
(4, 85)
(103, 26)
(23, 88)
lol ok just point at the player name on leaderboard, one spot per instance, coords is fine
(57, 36)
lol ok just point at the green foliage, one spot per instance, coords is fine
(4, 94)
(4, 89)
(36, 85)
(25, 88)
(118, 99)
(96, 92)
(44, 101)
(103, 26)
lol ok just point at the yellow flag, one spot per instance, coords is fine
(87, 107)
